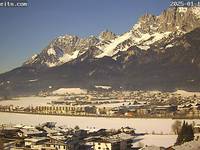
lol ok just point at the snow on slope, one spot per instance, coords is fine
(33, 80)
(109, 49)
(51, 64)
(196, 12)
(34, 56)
(169, 45)
(51, 51)
(186, 93)
(148, 39)
(32, 59)
(193, 145)
(67, 57)
(103, 87)
(143, 41)
(143, 34)
(182, 9)
(155, 140)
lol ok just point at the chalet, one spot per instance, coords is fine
(165, 109)
(197, 128)
(36, 142)
(32, 132)
(63, 143)
(128, 130)
(8, 131)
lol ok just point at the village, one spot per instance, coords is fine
(94, 104)
(49, 136)
(133, 104)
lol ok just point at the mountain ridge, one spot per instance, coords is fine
(158, 52)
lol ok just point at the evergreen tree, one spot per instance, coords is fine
(186, 134)
(176, 127)
(1, 144)
(190, 133)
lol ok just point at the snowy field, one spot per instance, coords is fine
(64, 91)
(141, 125)
(156, 140)
(186, 93)
(36, 100)
(157, 126)
(29, 101)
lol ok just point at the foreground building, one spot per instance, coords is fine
(120, 141)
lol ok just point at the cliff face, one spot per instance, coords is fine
(172, 19)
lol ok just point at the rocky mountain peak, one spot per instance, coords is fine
(61, 50)
(107, 35)
(170, 20)
(178, 18)
(147, 33)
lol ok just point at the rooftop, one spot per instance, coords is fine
(36, 139)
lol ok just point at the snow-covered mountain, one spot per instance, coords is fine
(152, 30)
(61, 50)
(147, 33)
(158, 52)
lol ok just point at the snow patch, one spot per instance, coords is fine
(67, 57)
(193, 60)
(144, 47)
(34, 56)
(157, 37)
(103, 87)
(64, 91)
(33, 80)
(92, 72)
(142, 37)
(51, 51)
(193, 145)
(182, 9)
(136, 26)
(186, 93)
(169, 45)
(196, 12)
(152, 141)
(49, 64)
(148, 39)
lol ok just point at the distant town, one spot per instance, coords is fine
(111, 103)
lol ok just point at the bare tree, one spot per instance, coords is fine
(176, 127)
(76, 127)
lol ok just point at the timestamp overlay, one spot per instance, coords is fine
(13, 3)
(185, 3)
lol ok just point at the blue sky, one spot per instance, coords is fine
(26, 31)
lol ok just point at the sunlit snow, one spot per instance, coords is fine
(109, 49)
(51, 51)
(63, 91)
